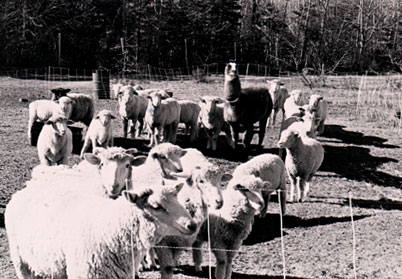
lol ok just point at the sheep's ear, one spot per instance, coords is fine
(132, 151)
(183, 152)
(190, 180)
(138, 161)
(177, 188)
(97, 116)
(226, 177)
(139, 199)
(92, 159)
(202, 100)
(70, 122)
(155, 155)
(239, 187)
(112, 116)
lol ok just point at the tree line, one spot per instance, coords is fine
(321, 36)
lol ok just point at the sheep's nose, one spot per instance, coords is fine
(179, 170)
(219, 204)
(192, 227)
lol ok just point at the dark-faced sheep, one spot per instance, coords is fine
(245, 107)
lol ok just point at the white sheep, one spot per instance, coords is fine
(228, 226)
(162, 117)
(64, 233)
(319, 108)
(279, 94)
(268, 172)
(55, 141)
(116, 89)
(131, 107)
(189, 112)
(293, 103)
(111, 166)
(83, 108)
(100, 132)
(304, 155)
(42, 110)
(162, 160)
(211, 119)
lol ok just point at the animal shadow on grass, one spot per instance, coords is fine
(139, 143)
(190, 271)
(358, 164)
(382, 203)
(268, 228)
(352, 137)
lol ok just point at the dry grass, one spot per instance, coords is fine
(362, 156)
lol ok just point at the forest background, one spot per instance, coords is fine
(323, 36)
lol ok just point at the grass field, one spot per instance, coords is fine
(362, 164)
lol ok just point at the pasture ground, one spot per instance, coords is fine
(362, 160)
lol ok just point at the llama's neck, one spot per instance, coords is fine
(232, 89)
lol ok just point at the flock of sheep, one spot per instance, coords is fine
(115, 213)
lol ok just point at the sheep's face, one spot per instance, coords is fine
(114, 171)
(59, 125)
(290, 136)
(231, 71)
(104, 117)
(314, 100)
(273, 86)
(254, 198)
(162, 204)
(168, 156)
(209, 180)
(155, 98)
(310, 122)
(66, 105)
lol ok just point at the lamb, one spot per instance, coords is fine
(189, 112)
(42, 110)
(100, 132)
(318, 107)
(131, 106)
(293, 103)
(162, 160)
(211, 118)
(229, 226)
(55, 141)
(83, 106)
(268, 172)
(116, 89)
(162, 118)
(63, 233)
(244, 107)
(304, 156)
(201, 191)
(279, 94)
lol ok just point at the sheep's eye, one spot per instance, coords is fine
(128, 166)
(201, 181)
(101, 165)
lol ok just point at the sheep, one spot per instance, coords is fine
(100, 132)
(211, 118)
(293, 103)
(318, 107)
(228, 227)
(201, 191)
(55, 141)
(268, 170)
(116, 89)
(244, 107)
(304, 155)
(131, 106)
(83, 106)
(64, 234)
(162, 118)
(279, 94)
(189, 112)
(162, 160)
(42, 110)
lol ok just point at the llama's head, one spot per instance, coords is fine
(231, 71)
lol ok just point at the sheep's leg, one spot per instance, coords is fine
(305, 187)
(293, 182)
(274, 117)
(173, 131)
(133, 124)
(228, 269)
(111, 141)
(125, 125)
(140, 126)
(234, 127)
(221, 261)
(298, 189)
(84, 148)
(152, 140)
(214, 140)
(193, 132)
(266, 197)
(197, 255)
(166, 261)
(321, 127)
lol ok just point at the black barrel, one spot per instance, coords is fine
(101, 84)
